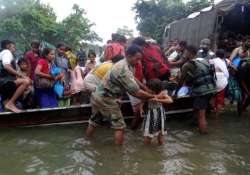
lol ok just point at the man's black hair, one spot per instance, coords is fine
(183, 44)
(140, 41)
(220, 53)
(60, 45)
(117, 58)
(68, 49)
(192, 49)
(46, 51)
(91, 52)
(35, 43)
(155, 85)
(5, 43)
(121, 38)
(133, 50)
(22, 60)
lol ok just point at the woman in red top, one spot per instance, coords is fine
(46, 97)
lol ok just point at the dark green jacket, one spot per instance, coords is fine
(199, 75)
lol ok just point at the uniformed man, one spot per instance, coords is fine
(104, 101)
(198, 74)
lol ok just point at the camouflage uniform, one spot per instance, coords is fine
(104, 101)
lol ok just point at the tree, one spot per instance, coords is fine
(153, 15)
(125, 31)
(77, 28)
(25, 20)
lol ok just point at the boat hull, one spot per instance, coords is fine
(78, 114)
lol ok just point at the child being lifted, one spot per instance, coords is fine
(154, 122)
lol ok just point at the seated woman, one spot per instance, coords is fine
(12, 84)
(44, 81)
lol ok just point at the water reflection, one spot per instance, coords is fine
(63, 150)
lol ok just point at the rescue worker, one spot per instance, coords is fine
(198, 74)
(104, 101)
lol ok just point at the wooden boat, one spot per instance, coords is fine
(77, 114)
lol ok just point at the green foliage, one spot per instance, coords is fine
(196, 5)
(128, 33)
(77, 28)
(25, 20)
(153, 15)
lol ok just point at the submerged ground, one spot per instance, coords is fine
(65, 150)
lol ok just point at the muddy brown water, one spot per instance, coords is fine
(65, 150)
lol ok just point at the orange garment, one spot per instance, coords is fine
(112, 50)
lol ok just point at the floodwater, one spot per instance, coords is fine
(65, 150)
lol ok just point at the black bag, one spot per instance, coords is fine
(43, 83)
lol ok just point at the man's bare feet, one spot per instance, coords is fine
(203, 129)
(10, 106)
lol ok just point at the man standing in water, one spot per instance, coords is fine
(198, 74)
(104, 101)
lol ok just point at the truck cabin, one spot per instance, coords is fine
(233, 27)
(227, 24)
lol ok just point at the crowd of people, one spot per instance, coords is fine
(44, 78)
(51, 78)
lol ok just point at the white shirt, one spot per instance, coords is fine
(220, 66)
(6, 57)
(173, 56)
(222, 73)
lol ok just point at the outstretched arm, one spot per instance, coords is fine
(143, 94)
(163, 98)
(142, 86)
(10, 70)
